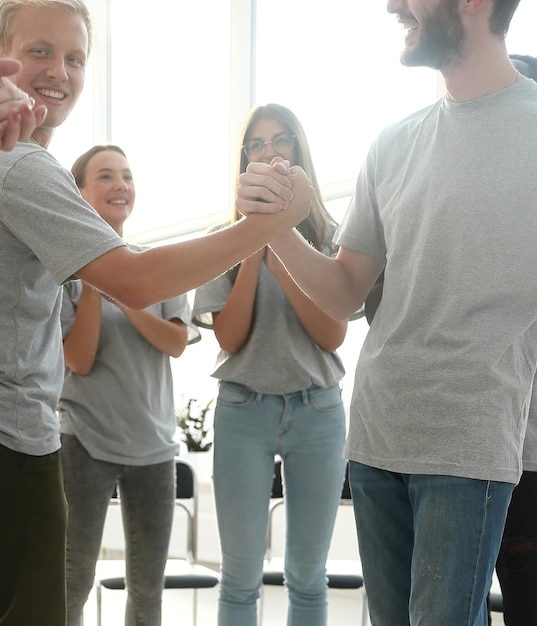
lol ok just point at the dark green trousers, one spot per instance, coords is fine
(33, 516)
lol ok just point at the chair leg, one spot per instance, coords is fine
(260, 606)
(365, 610)
(99, 605)
(194, 607)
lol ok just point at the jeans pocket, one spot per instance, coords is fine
(234, 395)
(327, 400)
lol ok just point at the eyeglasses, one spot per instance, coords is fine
(282, 144)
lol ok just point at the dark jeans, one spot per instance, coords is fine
(32, 540)
(516, 566)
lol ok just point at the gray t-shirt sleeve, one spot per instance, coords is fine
(529, 457)
(53, 207)
(179, 308)
(211, 298)
(361, 228)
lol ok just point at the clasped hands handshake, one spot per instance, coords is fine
(18, 116)
(276, 188)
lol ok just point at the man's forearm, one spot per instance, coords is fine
(322, 278)
(138, 279)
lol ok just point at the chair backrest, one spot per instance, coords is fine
(186, 498)
(346, 496)
(277, 485)
(277, 496)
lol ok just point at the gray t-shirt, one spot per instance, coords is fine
(279, 356)
(447, 198)
(123, 411)
(47, 233)
(529, 456)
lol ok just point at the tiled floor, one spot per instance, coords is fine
(345, 608)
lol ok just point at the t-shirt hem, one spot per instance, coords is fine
(440, 469)
(29, 448)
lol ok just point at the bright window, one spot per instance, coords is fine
(169, 107)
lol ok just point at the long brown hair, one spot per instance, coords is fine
(317, 226)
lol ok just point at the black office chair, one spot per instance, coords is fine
(495, 599)
(496, 602)
(341, 574)
(180, 573)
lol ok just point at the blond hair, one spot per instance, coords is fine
(10, 8)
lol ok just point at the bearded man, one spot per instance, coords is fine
(446, 206)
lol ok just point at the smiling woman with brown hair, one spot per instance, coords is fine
(117, 412)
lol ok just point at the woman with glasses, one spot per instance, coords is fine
(279, 395)
(117, 412)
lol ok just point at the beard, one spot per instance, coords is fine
(441, 38)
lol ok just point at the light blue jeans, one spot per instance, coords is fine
(428, 545)
(147, 505)
(307, 429)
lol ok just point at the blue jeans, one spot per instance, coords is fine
(307, 429)
(147, 505)
(428, 545)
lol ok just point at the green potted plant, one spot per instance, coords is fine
(192, 419)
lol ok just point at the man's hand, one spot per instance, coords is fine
(272, 188)
(18, 117)
(264, 188)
